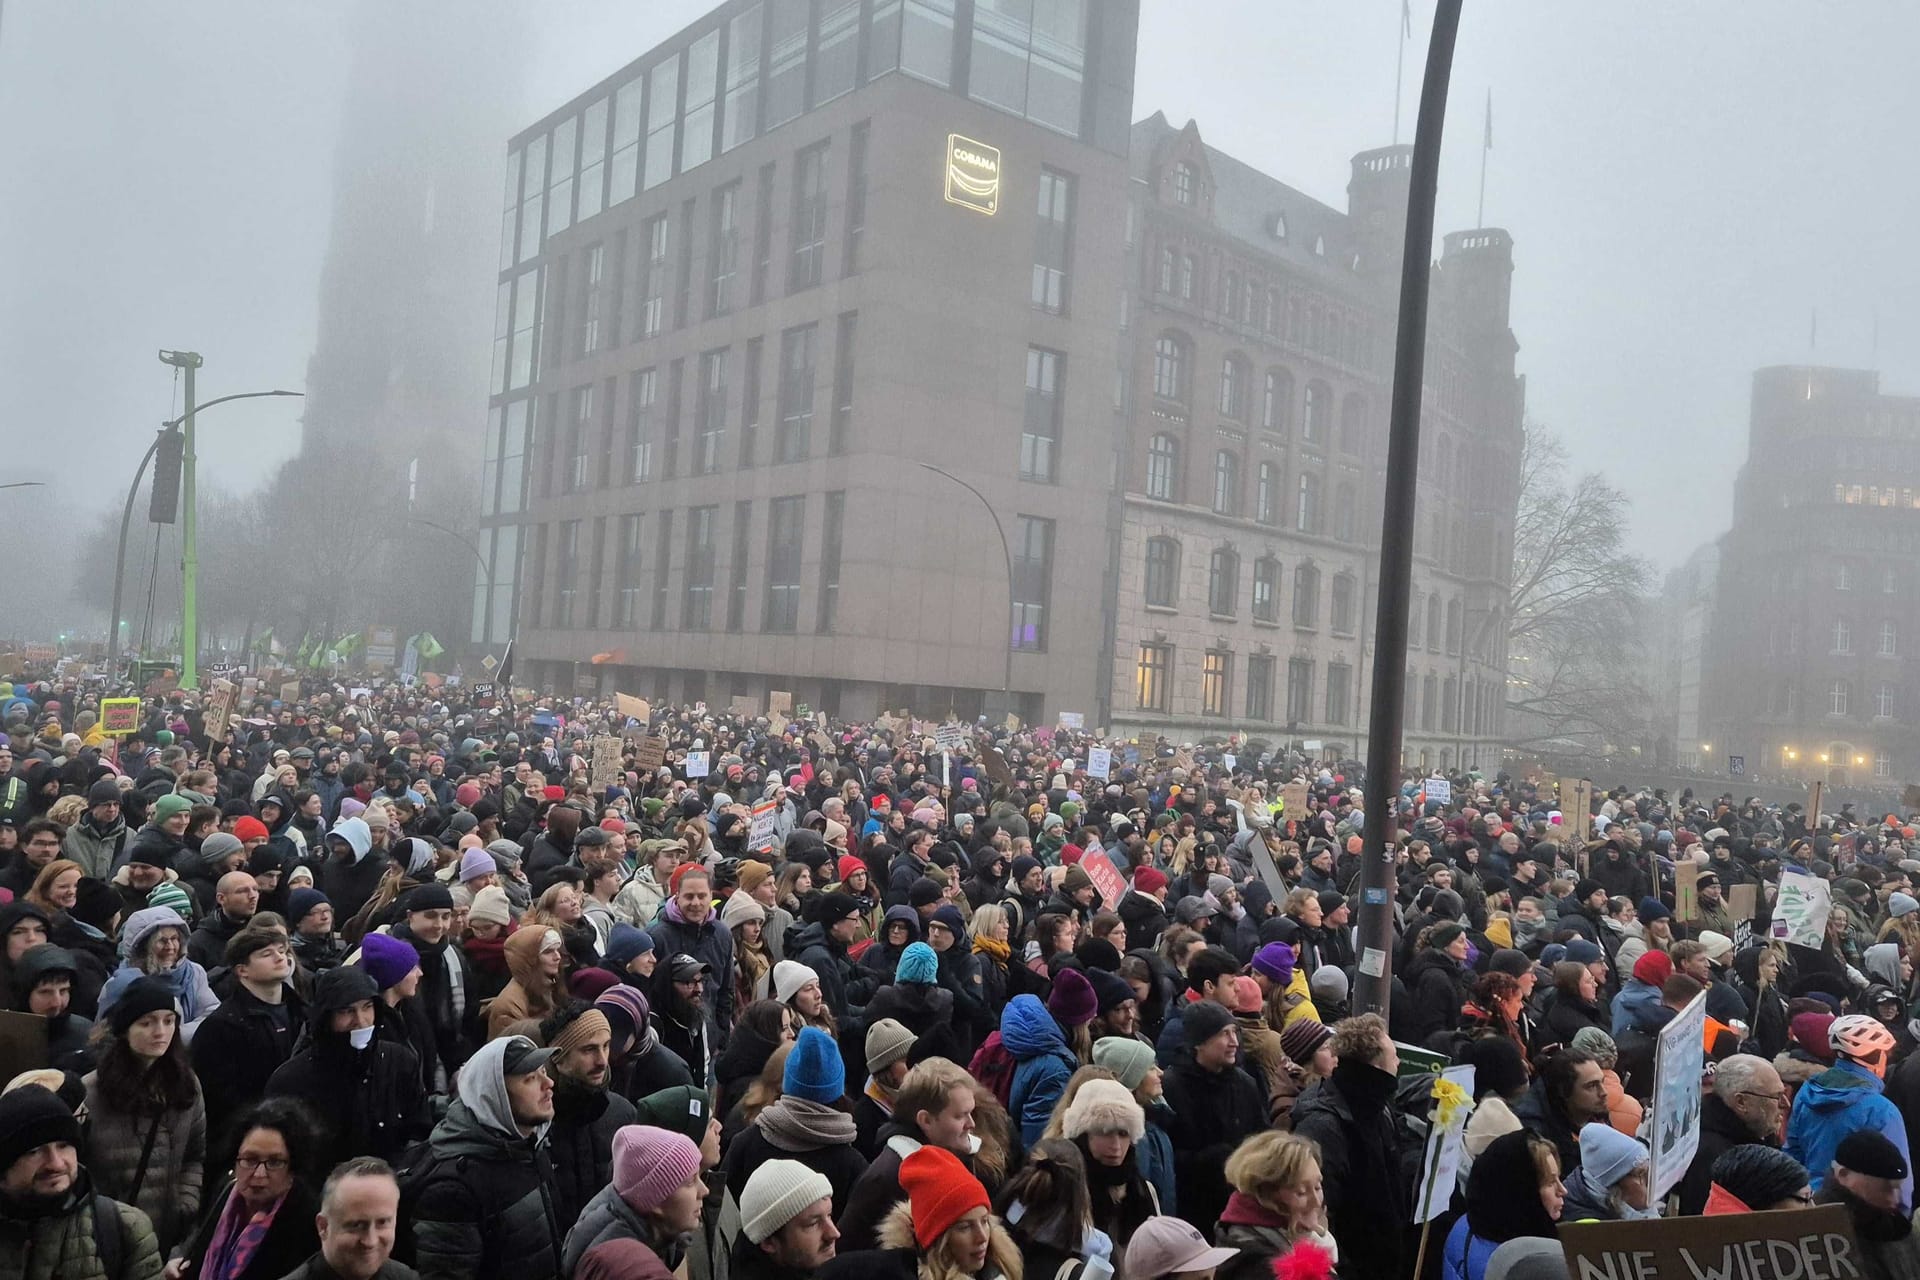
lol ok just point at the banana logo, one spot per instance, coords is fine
(973, 174)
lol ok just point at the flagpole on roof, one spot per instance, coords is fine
(1486, 145)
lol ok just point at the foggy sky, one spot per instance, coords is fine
(1686, 185)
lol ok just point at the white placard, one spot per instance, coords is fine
(696, 765)
(1800, 914)
(1679, 1061)
(1439, 791)
(1099, 762)
(1440, 1167)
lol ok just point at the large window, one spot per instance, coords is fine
(836, 58)
(1163, 573)
(663, 118)
(640, 426)
(1040, 430)
(1889, 639)
(1226, 483)
(856, 198)
(1884, 701)
(1299, 690)
(1153, 677)
(1028, 57)
(1266, 589)
(737, 566)
(1259, 687)
(1839, 698)
(1313, 423)
(1216, 682)
(1307, 512)
(743, 79)
(627, 572)
(1233, 387)
(784, 532)
(662, 570)
(1223, 582)
(1032, 582)
(1339, 692)
(568, 573)
(807, 263)
(750, 404)
(723, 253)
(1342, 607)
(1053, 241)
(579, 439)
(1276, 400)
(1266, 494)
(653, 278)
(696, 612)
(1170, 367)
(1183, 183)
(796, 391)
(762, 234)
(831, 538)
(1306, 596)
(1163, 468)
(787, 61)
(592, 299)
(710, 412)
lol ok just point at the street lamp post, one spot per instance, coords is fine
(189, 530)
(1006, 677)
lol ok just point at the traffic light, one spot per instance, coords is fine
(164, 505)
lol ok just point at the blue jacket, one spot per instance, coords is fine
(1842, 1100)
(1465, 1256)
(1043, 1064)
(1154, 1153)
(1638, 1008)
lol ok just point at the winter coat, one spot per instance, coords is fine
(289, 1240)
(619, 1240)
(707, 942)
(846, 989)
(1562, 1017)
(1889, 1248)
(516, 1002)
(1212, 1112)
(1439, 987)
(580, 1144)
(1145, 917)
(1638, 1008)
(372, 1100)
(162, 848)
(1832, 1105)
(316, 1268)
(1721, 1130)
(95, 850)
(1260, 1237)
(448, 1003)
(1536, 1111)
(207, 944)
(485, 1209)
(878, 1190)
(169, 1190)
(1350, 1115)
(1154, 1153)
(241, 1044)
(66, 1245)
(917, 1006)
(348, 883)
(1043, 1064)
(841, 1164)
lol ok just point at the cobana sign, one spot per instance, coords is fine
(973, 174)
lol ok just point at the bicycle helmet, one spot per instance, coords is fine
(1861, 1038)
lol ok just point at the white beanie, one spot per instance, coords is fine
(1104, 1106)
(788, 977)
(777, 1193)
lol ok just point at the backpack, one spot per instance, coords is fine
(110, 1235)
(993, 1066)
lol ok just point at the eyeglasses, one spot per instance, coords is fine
(272, 1164)
(1778, 1099)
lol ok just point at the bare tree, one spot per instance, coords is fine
(1573, 634)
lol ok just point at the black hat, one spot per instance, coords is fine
(1110, 990)
(140, 997)
(1586, 889)
(95, 903)
(146, 855)
(30, 1117)
(1511, 962)
(430, 897)
(924, 892)
(1203, 1020)
(342, 988)
(523, 1057)
(830, 909)
(686, 968)
(1868, 1151)
(105, 791)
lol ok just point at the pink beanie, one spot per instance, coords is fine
(650, 1164)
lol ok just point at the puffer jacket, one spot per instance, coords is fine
(1638, 1008)
(95, 850)
(1834, 1104)
(1043, 1063)
(673, 935)
(66, 1245)
(169, 1190)
(580, 1144)
(610, 1225)
(485, 1209)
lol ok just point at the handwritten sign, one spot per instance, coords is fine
(119, 716)
(1786, 1244)
(1439, 791)
(1686, 894)
(1099, 762)
(1074, 720)
(290, 691)
(219, 713)
(650, 753)
(760, 834)
(1105, 879)
(780, 702)
(1680, 1059)
(606, 761)
(1293, 800)
(633, 708)
(1800, 914)
(696, 764)
(950, 737)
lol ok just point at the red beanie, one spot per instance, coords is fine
(245, 829)
(555, 793)
(615, 824)
(1070, 854)
(1654, 968)
(683, 870)
(1149, 879)
(940, 1192)
(848, 865)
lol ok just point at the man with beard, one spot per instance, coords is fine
(680, 1015)
(586, 1114)
(351, 872)
(786, 1223)
(51, 1221)
(688, 925)
(1028, 896)
(1713, 913)
(1866, 1178)
(447, 992)
(366, 1084)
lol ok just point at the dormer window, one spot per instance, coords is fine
(1319, 246)
(1279, 226)
(1183, 183)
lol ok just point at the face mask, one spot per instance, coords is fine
(360, 1038)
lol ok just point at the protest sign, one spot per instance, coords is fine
(1439, 791)
(950, 737)
(777, 723)
(650, 754)
(119, 716)
(760, 833)
(1440, 1167)
(1293, 800)
(219, 712)
(290, 691)
(997, 767)
(744, 706)
(1228, 759)
(1105, 879)
(1679, 1061)
(1073, 720)
(1813, 806)
(633, 708)
(1686, 894)
(1786, 1244)
(696, 764)
(779, 700)
(1099, 762)
(606, 761)
(1800, 913)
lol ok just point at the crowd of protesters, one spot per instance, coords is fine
(413, 983)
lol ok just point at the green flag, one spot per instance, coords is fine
(427, 647)
(347, 644)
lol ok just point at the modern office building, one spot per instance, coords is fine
(1815, 606)
(1259, 332)
(753, 289)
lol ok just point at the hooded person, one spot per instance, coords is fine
(153, 944)
(536, 957)
(351, 873)
(355, 1071)
(484, 1205)
(43, 984)
(1508, 1198)
(900, 927)
(1036, 1036)
(805, 1123)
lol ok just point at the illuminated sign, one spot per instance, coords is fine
(973, 174)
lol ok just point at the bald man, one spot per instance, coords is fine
(236, 897)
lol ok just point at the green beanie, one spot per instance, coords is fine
(169, 894)
(168, 805)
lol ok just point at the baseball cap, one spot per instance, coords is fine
(524, 1057)
(1163, 1246)
(686, 968)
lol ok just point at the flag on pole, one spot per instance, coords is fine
(429, 647)
(1488, 144)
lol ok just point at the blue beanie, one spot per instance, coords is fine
(301, 901)
(1580, 951)
(814, 1069)
(625, 943)
(917, 964)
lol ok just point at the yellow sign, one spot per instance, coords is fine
(973, 174)
(119, 716)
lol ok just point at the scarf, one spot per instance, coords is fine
(799, 1124)
(882, 1096)
(998, 950)
(237, 1238)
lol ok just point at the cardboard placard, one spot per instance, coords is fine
(218, 716)
(1786, 1244)
(950, 737)
(118, 718)
(1106, 881)
(996, 765)
(760, 834)
(633, 708)
(23, 1042)
(1813, 806)
(1743, 901)
(1686, 896)
(743, 706)
(606, 761)
(1438, 791)
(777, 723)
(821, 743)
(781, 701)
(650, 754)
(1293, 800)
(290, 691)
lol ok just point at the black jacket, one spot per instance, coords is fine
(842, 1165)
(207, 946)
(485, 1209)
(1439, 987)
(1562, 1017)
(1350, 1115)
(1721, 1130)
(239, 1047)
(847, 990)
(1145, 918)
(1213, 1111)
(580, 1144)
(289, 1242)
(454, 1022)
(372, 1100)
(917, 1006)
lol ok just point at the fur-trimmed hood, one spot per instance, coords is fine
(1003, 1255)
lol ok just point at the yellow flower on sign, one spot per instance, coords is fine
(1449, 1101)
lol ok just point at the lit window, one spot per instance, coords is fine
(1154, 677)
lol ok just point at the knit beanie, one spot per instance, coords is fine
(387, 959)
(814, 1070)
(1582, 951)
(789, 978)
(1597, 1043)
(741, 909)
(32, 1116)
(301, 902)
(490, 906)
(171, 895)
(247, 828)
(168, 806)
(1759, 1176)
(1072, 1002)
(651, 1164)
(1203, 1020)
(888, 1042)
(923, 892)
(219, 846)
(684, 870)
(95, 903)
(1302, 1039)
(1329, 983)
(1275, 961)
(1126, 1057)
(1653, 968)
(1097, 955)
(777, 1192)
(589, 1026)
(1104, 1106)
(752, 873)
(627, 1011)
(940, 1192)
(105, 791)
(1608, 1155)
(681, 1109)
(1443, 935)
(1809, 1032)
(475, 863)
(917, 963)
(625, 943)
(137, 999)
(1586, 889)
(1110, 990)
(1075, 880)
(1900, 904)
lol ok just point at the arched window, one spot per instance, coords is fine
(1883, 702)
(1163, 572)
(1276, 400)
(1433, 623)
(1307, 513)
(1186, 276)
(1341, 609)
(1413, 622)
(1226, 483)
(1453, 626)
(1246, 304)
(1223, 581)
(1266, 589)
(1842, 636)
(1842, 576)
(1889, 639)
(1353, 424)
(1839, 694)
(1343, 513)
(1183, 183)
(1170, 367)
(1168, 260)
(1306, 596)
(1313, 424)
(1163, 467)
(1266, 495)
(1233, 387)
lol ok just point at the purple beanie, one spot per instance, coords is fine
(651, 1164)
(475, 863)
(626, 1010)
(1275, 961)
(387, 960)
(1072, 1001)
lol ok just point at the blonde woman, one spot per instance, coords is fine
(947, 1222)
(1276, 1203)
